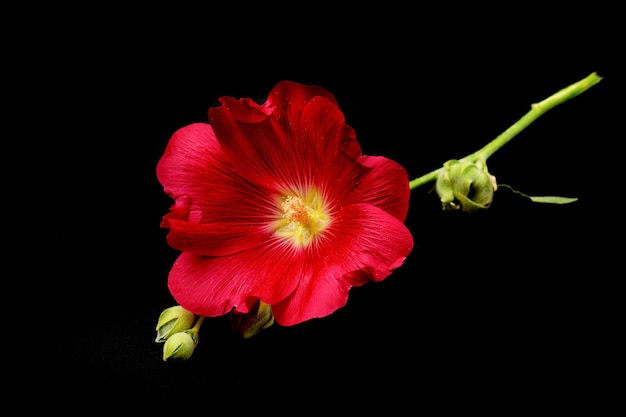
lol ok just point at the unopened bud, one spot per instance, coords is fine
(173, 320)
(248, 324)
(180, 346)
(466, 185)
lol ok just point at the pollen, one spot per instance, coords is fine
(295, 209)
(302, 218)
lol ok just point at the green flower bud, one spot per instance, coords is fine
(466, 185)
(248, 324)
(173, 320)
(180, 346)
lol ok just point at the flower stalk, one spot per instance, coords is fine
(537, 110)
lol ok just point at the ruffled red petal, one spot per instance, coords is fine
(386, 186)
(300, 283)
(216, 211)
(366, 243)
(191, 151)
(297, 144)
(212, 286)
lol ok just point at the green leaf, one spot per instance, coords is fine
(548, 199)
(552, 199)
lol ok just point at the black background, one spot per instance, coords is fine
(515, 308)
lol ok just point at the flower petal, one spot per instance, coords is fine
(367, 242)
(299, 284)
(212, 286)
(387, 186)
(214, 239)
(292, 145)
(191, 151)
(216, 212)
(293, 99)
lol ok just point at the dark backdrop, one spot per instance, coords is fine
(511, 309)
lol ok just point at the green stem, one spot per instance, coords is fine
(424, 179)
(196, 329)
(537, 109)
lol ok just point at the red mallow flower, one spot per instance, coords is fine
(275, 202)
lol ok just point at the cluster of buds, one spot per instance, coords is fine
(177, 331)
(178, 328)
(466, 185)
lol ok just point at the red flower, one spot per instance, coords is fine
(275, 202)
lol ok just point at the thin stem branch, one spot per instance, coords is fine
(537, 110)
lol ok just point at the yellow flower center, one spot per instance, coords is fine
(302, 218)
